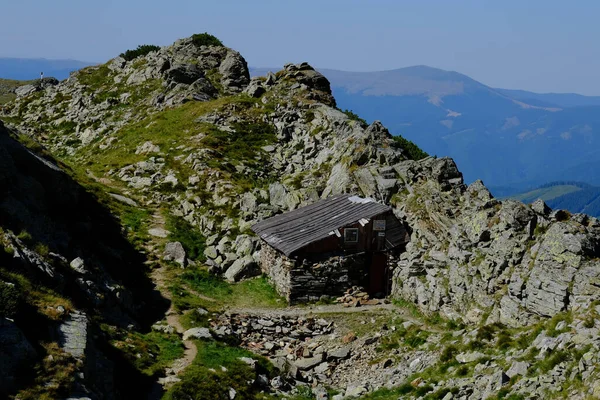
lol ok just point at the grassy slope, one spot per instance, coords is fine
(546, 194)
(7, 87)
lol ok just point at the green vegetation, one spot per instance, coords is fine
(149, 353)
(355, 117)
(190, 238)
(54, 375)
(7, 89)
(411, 150)
(215, 293)
(546, 193)
(140, 51)
(205, 39)
(10, 299)
(216, 368)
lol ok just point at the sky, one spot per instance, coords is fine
(542, 46)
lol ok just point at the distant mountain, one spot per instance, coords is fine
(577, 197)
(30, 68)
(564, 100)
(511, 139)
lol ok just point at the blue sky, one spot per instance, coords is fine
(533, 45)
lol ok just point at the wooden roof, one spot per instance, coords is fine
(296, 229)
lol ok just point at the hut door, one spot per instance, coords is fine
(378, 274)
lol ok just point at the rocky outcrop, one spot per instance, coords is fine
(472, 256)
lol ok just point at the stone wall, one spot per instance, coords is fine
(278, 267)
(300, 281)
(331, 276)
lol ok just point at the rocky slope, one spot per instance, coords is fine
(502, 289)
(67, 273)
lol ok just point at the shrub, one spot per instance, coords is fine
(411, 150)
(205, 39)
(141, 50)
(354, 117)
(25, 237)
(10, 299)
(448, 353)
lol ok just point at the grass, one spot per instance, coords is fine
(54, 375)
(149, 353)
(217, 368)
(190, 238)
(255, 293)
(7, 87)
(43, 299)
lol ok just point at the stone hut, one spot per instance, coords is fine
(329, 246)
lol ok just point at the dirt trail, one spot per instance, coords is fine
(160, 279)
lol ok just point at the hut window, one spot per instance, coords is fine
(351, 235)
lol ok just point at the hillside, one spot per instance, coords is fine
(7, 89)
(172, 155)
(30, 68)
(534, 138)
(575, 197)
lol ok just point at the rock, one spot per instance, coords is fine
(174, 251)
(211, 252)
(322, 368)
(241, 268)
(16, 353)
(158, 232)
(518, 368)
(232, 393)
(123, 199)
(73, 334)
(184, 73)
(163, 328)
(234, 71)
(197, 333)
(540, 207)
(78, 265)
(339, 354)
(249, 361)
(355, 391)
(25, 90)
(304, 364)
(349, 337)
(147, 148)
(465, 358)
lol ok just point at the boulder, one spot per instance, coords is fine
(241, 268)
(184, 73)
(197, 333)
(174, 251)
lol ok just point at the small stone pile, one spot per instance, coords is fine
(293, 344)
(357, 296)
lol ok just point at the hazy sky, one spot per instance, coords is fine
(538, 45)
